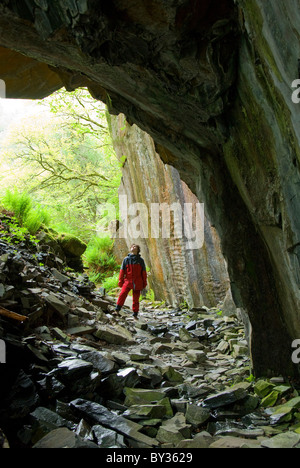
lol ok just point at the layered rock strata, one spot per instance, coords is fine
(179, 269)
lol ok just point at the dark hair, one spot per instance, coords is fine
(137, 247)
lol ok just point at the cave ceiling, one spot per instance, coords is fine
(168, 66)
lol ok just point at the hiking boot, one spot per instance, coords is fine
(117, 310)
(135, 315)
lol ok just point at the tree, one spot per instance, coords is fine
(68, 161)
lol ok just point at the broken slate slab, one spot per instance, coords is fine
(140, 396)
(234, 442)
(196, 356)
(59, 306)
(201, 440)
(170, 374)
(137, 355)
(106, 438)
(196, 415)
(100, 302)
(75, 368)
(138, 412)
(285, 440)
(58, 333)
(94, 413)
(81, 330)
(174, 430)
(114, 335)
(2, 290)
(99, 361)
(82, 312)
(227, 397)
(45, 420)
(63, 438)
(62, 278)
(113, 385)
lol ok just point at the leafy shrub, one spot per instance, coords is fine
(11, 231)
(30, 216)
(35, 219)
(19, 203)
(111, 282)
(101, 262)
(98, 254)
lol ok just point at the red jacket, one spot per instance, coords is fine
(133, 272)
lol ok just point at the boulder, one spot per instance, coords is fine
(71, 245)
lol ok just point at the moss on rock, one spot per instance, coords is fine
(71, 245)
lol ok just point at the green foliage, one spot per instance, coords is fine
(111, 282)
(37, 218)
(101, 262)
(19, 203)
(64, 167)
(184, 304)
(29, 215)
(251, 378)
(12, 233)
(66, 160)
(98, 251)
(150, 296)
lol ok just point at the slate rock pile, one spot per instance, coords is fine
(77, 376)
(33, 283)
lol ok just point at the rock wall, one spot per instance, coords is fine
(262, 156)
(177, 273)
(210, 81)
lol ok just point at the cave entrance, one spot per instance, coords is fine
(66, 50)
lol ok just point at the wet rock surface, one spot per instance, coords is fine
(77, 376)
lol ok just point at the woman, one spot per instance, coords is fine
(133, 276)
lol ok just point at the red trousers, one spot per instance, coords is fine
(135, 295)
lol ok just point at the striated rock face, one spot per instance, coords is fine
(210, 81)
(177, 272)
